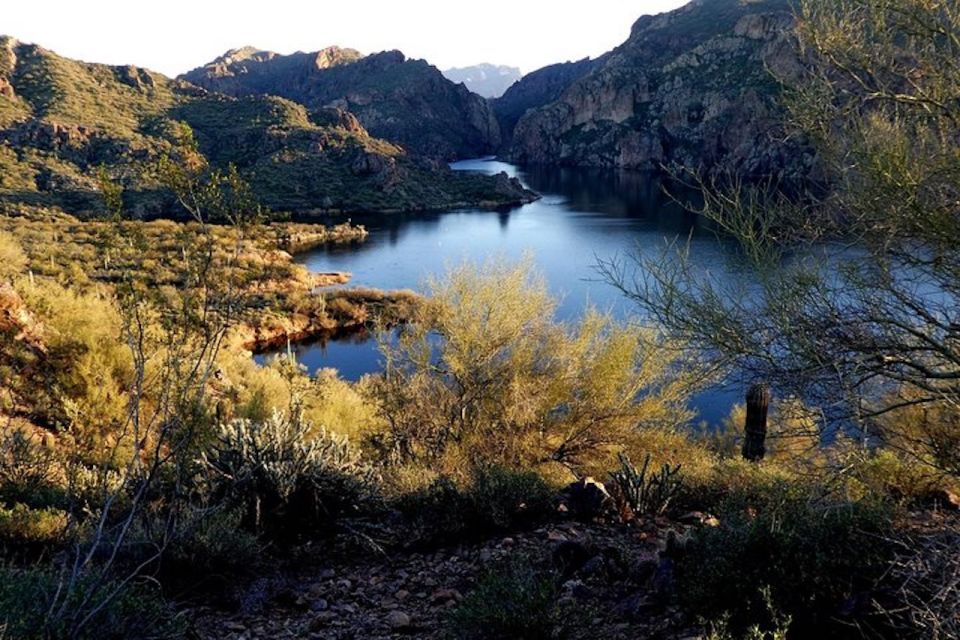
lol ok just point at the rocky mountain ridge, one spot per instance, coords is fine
(60, 120)
(696, 87)
(408, 102)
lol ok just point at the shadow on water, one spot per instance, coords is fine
(584, 217)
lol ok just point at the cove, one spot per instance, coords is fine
(583, 217)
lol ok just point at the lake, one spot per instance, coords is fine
(584, 217)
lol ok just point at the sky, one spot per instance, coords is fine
(174, 36)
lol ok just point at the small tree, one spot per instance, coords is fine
(485, 374)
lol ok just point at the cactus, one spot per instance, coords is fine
(643, 492)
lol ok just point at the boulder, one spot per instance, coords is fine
(587, 499)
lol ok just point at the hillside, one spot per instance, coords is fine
(407, 102)
(60, 120)
(487, 80)
(696, 86)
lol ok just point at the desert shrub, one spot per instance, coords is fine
(21, 525)
(82, 383)
(138, 612)
(210, 550)
(289, 477)
(885, 472)
(13, 261)
(28, 471)
(921, 590)
(777, 629)
(514, 600)
(485, 373)
(814, 556)
(493, 499)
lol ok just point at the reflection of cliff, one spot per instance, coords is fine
(627, 194)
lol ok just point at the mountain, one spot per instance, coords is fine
(537, 89)
(487, 80)
(696, 86)
(60, 120)
(407, 102)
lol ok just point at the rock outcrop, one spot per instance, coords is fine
(538, 89)
(407, 102)
(696, 87)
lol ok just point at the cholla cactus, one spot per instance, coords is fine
(283, 469)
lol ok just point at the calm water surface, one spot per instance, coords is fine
(584, 217)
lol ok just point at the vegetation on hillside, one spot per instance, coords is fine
(62, 120)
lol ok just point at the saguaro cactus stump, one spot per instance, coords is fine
(755, 430)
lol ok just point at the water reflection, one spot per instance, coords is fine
(583, 217)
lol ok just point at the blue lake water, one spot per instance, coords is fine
(584, 217)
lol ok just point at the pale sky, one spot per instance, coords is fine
(174, 36)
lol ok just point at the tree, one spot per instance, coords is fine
(856, 310)
(486, 374)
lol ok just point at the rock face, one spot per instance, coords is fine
(487, 80)
(538, 89)
(60, 120)
(407, 102)
(696, 87)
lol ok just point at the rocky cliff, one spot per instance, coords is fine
(60, 120)
(407, 102)
(696, 87)
(538, 89)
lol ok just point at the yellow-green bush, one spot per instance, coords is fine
(21, 524)
(485, 373)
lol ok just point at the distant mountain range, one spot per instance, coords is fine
(335, 130)
(405, 101)
(61, 120)
(487, 80)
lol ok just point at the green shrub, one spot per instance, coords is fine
(514, 600)
(138, 612)
(209, 551)
(289, 478)
(494, 499)
(23, 525)
(814, 557)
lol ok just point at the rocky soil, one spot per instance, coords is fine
(616, 580)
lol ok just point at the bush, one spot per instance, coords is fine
(289, 478)
(138, 612)
(494, 499)
(209, 551)
(814, 557)
(640, 493)
(514, 600)
(22, 525)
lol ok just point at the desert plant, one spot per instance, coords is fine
(491, 499)
(484, 373)
(514, 600)
(642, 492)
(814, 555)
(288, 476)
(138, 611)
(920, 593)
